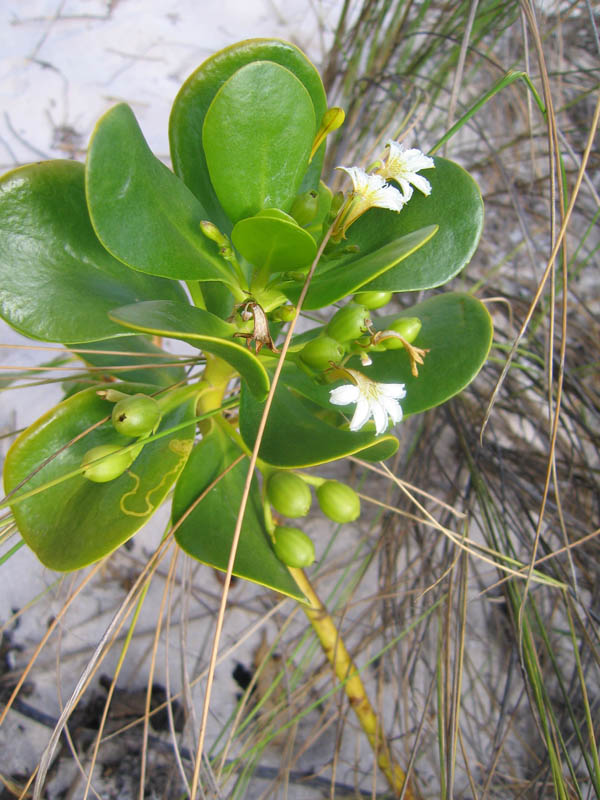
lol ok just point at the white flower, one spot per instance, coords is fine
(402, 166)
(377, 400)
(372, 190)
(368, 191)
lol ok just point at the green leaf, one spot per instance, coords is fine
(152, 366)
(207, 533)
(457, 329)
(57, 282)
(142, 213)
(200, 329)
(257, 137)
(295, 436)
(455, 205)
(196, 95)
(335, 281)
(77, 522)
(278, 244)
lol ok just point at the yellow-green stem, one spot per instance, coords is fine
(346, 671)
(215, 378)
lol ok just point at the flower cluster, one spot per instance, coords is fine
(372, 190)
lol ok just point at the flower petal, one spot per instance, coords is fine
(421, 183)
(361, 415)
(397, 390)
(393, 408)
(380, 416)
(344, 395)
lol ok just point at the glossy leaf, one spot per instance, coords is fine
(257, 136)
(200, 329)
(335, 281)
(455, 205)
(196, 95)
(276, 244)
(57, 282)
(143, 213)
(295, 436)
(76, 522)
(207, 533)
(457, 329)
(153, 365)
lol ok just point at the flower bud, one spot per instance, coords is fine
(210, 230)
(373, 300)
(116, 462)
(293, 547)
(407, 327)
(136, 415)
(319, 352)
(338, 501)
(304, 208)
(289, 494)
(348, 323)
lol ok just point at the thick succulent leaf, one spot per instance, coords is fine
(198, 92)
(295, 436)
(57, 282)
(117, 358)
(207, 533)
(276, 244)
(455, 205)
(76, 521)
(257, 137)
(457, 329)
(143, 213)
(335, 281)
(200, 329)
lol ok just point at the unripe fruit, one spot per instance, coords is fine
(136, 415)
(284, 313)
(304, 208)
(289, 494)
(111, 467)
(319, 352)
(338, 501)
(348, 323)
(407, 327)
(373, 299)
(293, 547)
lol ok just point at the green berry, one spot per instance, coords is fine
(319, 352)
(289, 494)
(374, 299)
(136, 415)
(293, 547)
(348, 323)
(115, 464)
(407, 327)
(338, 501)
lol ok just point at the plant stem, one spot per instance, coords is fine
(347, 672)
(215, 378)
